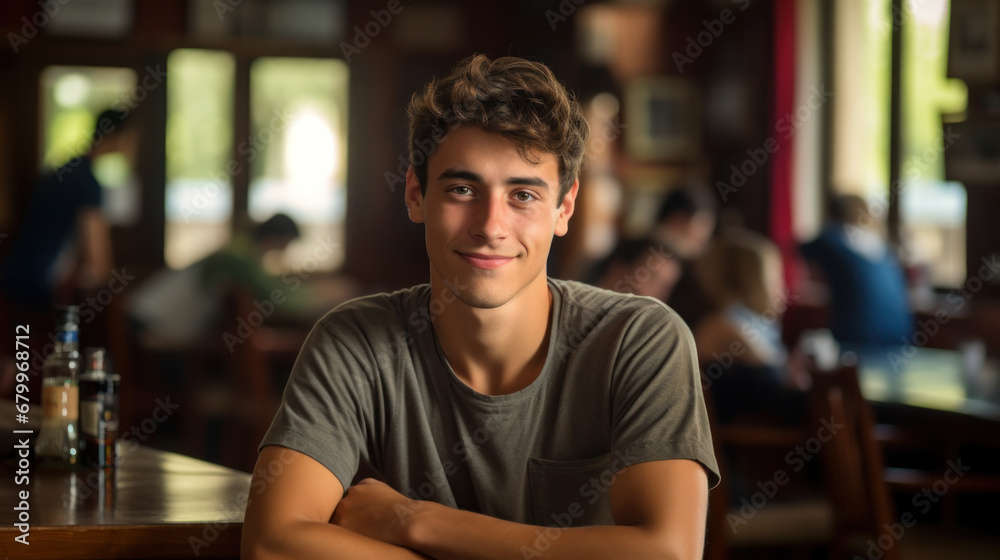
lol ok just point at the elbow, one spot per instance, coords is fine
(252, 549)
(260, 545)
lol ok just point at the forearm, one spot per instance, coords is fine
(95, 249)
(447, 533)
(304, 540)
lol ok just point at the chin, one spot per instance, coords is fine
(483, 297)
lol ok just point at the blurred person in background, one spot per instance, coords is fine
(179, 306)
(869, 302)
(64, 243)
(637, 266)
(739, 341)
(61, 252)
(683, 229)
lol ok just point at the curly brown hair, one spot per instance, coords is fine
(517, 98)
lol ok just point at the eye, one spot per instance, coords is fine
(461, 190)
(525, 196)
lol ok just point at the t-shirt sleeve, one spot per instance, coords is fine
(658, 407)
(326, 410)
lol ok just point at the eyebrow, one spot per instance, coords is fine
(466, 175)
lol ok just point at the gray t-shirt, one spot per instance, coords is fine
(620, 385)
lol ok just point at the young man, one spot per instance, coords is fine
(493, 401)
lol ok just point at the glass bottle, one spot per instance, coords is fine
(98, 410)
(57, 443)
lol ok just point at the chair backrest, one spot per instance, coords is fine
(852, 458)
(716, 530)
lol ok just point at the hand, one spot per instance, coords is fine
(373, 509)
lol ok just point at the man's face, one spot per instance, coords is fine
(489, 215)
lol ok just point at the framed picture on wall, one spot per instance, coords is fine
(974, 41)
(664, 119)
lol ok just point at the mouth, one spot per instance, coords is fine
(487, 262)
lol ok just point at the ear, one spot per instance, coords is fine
(566, 209)
(414, 198)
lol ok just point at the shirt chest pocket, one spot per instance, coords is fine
(571, 493)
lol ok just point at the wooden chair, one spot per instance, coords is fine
(232, 385)
(853, 464)
(798, 525)
(859, 483)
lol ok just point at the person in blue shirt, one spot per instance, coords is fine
(64, 242)
(869, 302)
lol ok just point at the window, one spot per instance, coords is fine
(932, 210)
(199, 189)
(861, 114)
(298, 151)
(295, 153)
(72, 98)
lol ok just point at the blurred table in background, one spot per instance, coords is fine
(155, 505)
(943, 380)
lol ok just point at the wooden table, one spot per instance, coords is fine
(155, 505)
(932, 379)
(933, 397)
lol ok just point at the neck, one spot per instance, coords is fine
(495, 351)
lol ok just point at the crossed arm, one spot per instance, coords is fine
(659, 508)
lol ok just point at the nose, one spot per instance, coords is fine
(491, 221)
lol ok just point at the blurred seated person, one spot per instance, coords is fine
(64, 243)
(869, 303)
(179, 306)
(637, 266)
(683, 229)
(739, 341)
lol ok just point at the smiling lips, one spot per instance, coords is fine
(485, 261)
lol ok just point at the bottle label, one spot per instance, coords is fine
(67, 336)
(90, 415)
(61, 402)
